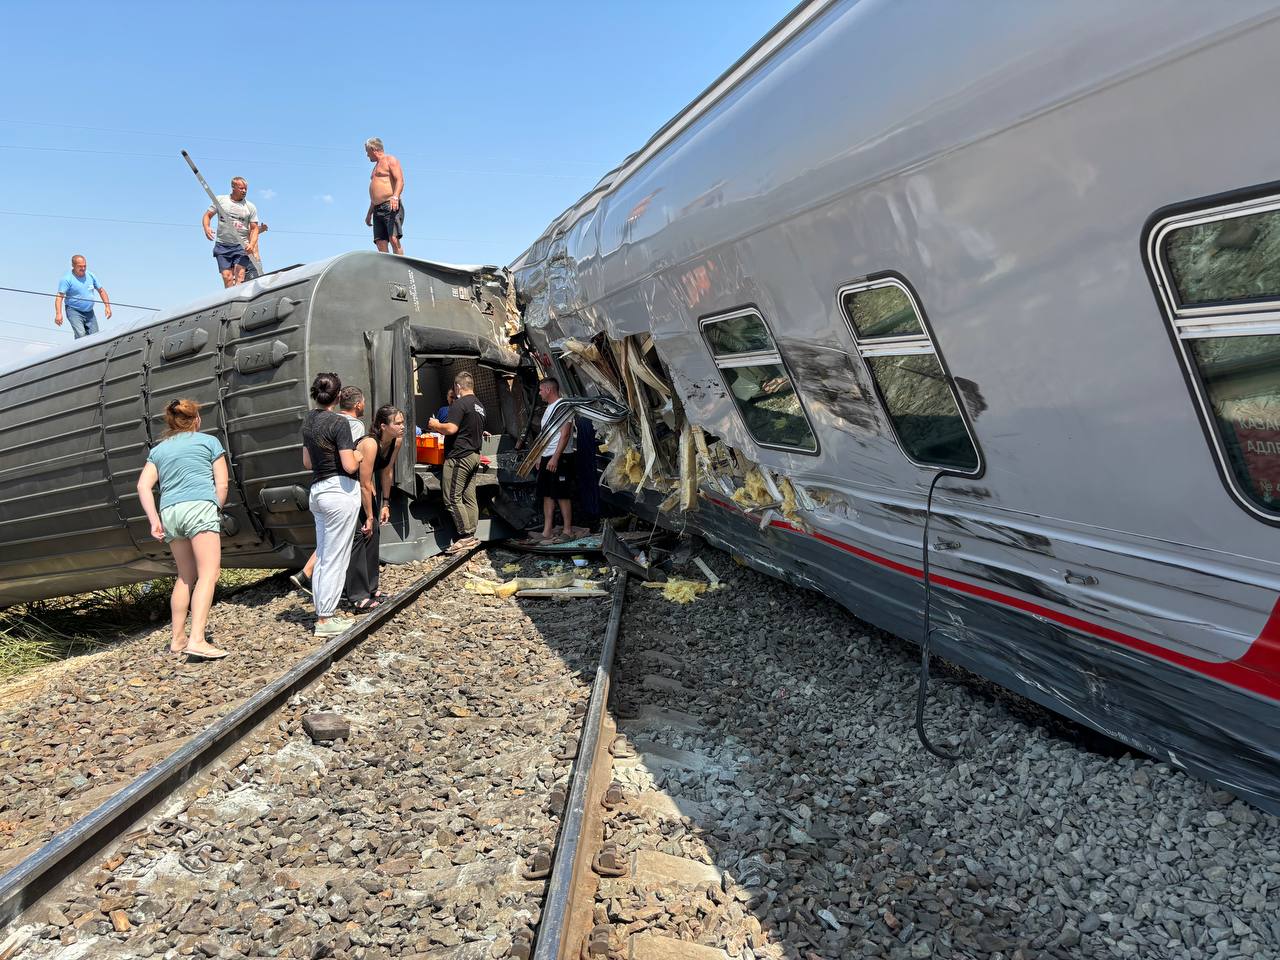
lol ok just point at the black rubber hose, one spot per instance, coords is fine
(922, 691)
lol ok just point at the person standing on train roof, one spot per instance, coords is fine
(75, 295)
(386, 209)
(378, 449)
(237, 239)
(555, 472)
(329, 453)
(463, 435)
(191, 468)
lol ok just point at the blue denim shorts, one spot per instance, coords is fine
(231, 255)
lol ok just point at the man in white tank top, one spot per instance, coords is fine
(556, 473)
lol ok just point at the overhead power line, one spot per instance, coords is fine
(41, 293)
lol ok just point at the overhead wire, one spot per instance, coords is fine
(41, 293)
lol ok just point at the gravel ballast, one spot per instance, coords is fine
(839, 836)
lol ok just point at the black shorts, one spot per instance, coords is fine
(388, 223)
(557, 485)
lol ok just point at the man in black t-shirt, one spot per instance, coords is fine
(463, 434)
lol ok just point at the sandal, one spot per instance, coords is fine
(368, 603)
(552, 540)
(205, 655)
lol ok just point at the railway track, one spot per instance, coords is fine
(449, 817)
(632, 778)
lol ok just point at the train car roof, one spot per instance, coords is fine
(796, 20)
(246, 291)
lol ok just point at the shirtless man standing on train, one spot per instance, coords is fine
(386, 211)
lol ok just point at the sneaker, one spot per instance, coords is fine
(301, 581)
(334, 626)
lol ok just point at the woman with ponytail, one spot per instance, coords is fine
(191, 468)
(329, 453)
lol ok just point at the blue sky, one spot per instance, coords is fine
(501, 113)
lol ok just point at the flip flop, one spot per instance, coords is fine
(551, 541)
(197, 655)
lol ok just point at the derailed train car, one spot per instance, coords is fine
(75, 428)
(1012, 281)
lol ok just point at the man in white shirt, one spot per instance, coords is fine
(555, 473)
(237, 240)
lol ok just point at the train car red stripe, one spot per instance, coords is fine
(1258, 671)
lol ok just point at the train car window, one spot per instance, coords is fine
(1218, 280)
(923, 410)
(908, 374)
(758, 381)
(1226, 261)
(882, 312)
(1242, 378)
(745, 333)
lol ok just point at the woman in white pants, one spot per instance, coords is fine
(329, 453)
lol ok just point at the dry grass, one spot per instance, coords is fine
(45, 631)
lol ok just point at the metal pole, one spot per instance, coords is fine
(257, 262)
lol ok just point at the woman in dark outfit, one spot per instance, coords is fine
(329, 453)
(378, 450)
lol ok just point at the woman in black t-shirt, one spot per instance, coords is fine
(329, 453)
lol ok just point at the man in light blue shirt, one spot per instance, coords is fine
(77, 289)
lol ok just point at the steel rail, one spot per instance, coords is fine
(568, 865)
(39, 873)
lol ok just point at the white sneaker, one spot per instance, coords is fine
(334, 626)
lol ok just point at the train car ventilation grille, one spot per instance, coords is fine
(261, 356)
(185, 343)
(262, 314)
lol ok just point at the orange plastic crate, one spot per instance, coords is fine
(430, 450)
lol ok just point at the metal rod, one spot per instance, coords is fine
(39, 873)
(566, 867)
(257, 263)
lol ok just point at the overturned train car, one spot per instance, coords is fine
(75, 428)
(834, 286)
